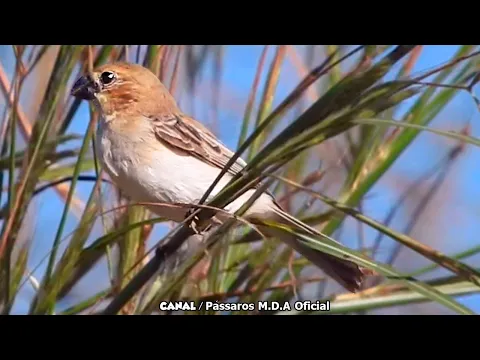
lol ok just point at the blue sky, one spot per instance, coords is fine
(241, 62)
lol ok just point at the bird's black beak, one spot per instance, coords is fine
(85, 88)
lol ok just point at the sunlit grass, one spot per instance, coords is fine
(358, 107)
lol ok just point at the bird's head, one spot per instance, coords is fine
(124, 87)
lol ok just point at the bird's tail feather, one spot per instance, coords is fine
(346, 273)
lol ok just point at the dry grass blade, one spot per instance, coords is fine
(65, 61)
(251, 97)
(268, 96)
(25, 123)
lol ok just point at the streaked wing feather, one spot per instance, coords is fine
(187, 134)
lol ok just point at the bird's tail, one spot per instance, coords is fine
(346, 273)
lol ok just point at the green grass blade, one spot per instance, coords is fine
(68, 170)
(280, 110)
(52, 157)
(130, 248)
(52, 285)
(6, 260)
(461, 255)
(387, 271)
(423, 112)
(450, 134)
(390, 300)
(76, 173)
(335, 100)
(92, 253)
(86, 304)
(462, 270)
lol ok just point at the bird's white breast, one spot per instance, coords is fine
(147, 171)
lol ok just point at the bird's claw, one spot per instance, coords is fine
(193, 222)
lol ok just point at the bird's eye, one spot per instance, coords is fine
(107, 77)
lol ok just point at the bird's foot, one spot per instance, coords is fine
(193, 222)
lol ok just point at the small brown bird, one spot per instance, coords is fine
(155, 153)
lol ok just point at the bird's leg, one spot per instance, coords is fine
(193, 223)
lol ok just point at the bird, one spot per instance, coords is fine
(157, 154)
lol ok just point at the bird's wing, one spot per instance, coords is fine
(189, 135)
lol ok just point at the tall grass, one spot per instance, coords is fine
(324, 127)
